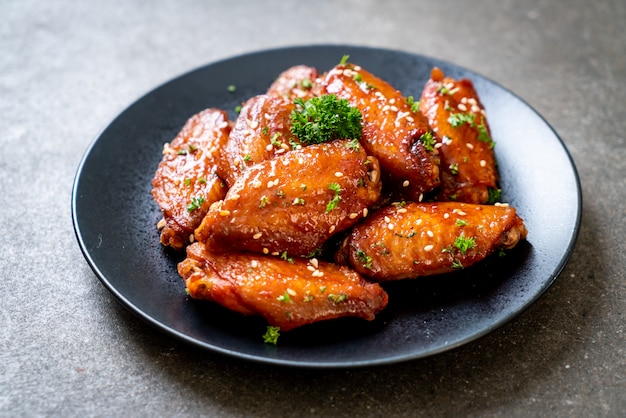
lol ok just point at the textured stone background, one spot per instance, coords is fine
(67, 348)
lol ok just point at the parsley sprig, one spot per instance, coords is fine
(324, 118)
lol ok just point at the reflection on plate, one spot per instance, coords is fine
(115, 221)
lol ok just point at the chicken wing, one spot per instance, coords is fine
(185, 183)
(287, 293)
(468, 165)
(392, 131)
(261, 131)
(295, 201)
(421, 239)
(299, 81)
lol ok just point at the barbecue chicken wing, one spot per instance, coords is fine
(295, 201)
(287, 293)
(261, 131)
(391, 130)
(421, 239)
(185, 183)
(468, 166)
(299, 81)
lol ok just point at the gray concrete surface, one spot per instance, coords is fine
(68, 348)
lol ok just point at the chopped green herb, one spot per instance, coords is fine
(335, 187)
(322, 289)
(457, 265)
(264, 201)
(353, 144)
(494, 195)
(187, 182)
(306, 84)
(315, 253)
(463, 243)
(231, 88)
(483, 134)
(460, 222)
(271, 335)
(336, 299)
(238, 109)
(308, 297)
(195, 203)
(357, 77)
(322, 119)
(415, 105)
(202, 180)
(501, 252)
(428, 141)
(363, 258)
(454, 169)
(274, 139)
(303, 186)
(247, 157)
(344, 60)
(443, 90)
(265, 130)
(285, 257)
(284, 298)
(458, 119)
(299, 201)
(332, 204)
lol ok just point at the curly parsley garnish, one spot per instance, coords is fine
(463, 243)
(458, 119)
(322, 119)
(494, 195)
(364, 259)
(428, 141)
(332, 204)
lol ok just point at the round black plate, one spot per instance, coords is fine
(115, 221)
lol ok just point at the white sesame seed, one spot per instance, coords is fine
(310, 268)
(438, 145)
(224, 212)
(430, 233)
(470, 146)
(386, 219)
(462, 107)
(393, 108)
(257, 235)
(192, 238)
(402, 210)
(266, 251)
(405, 183)
(254, 124)
(483, 163)
(472, 101)
(392, 101)
(464, 100)
(353, 215)
(357, 68)
(256, 184)
(390, 227)
(410, 119)
(429, 247)
(475, 109)
(365, 212)
(223, 125)
(418, 222)
(291, 292)
(254, 264)
(331, 229)
(446, 215)
(269, 147)
(385, 108)
(275, 253)
(267, 116)
(161, 224)
(314, 262)
(421, 197)
(338, 174)
(501, 204)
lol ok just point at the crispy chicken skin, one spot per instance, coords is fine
(299, 81)
(422, 239)
(287, 293)
(185, 183)
(261, 131)
(391, 130)
(454, 111)
(295, 201)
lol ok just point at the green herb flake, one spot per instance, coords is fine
(285, 257)
(344, 60)
(353, 145)
(202, 180)
(271, 335)
(454, 169)
(187, 182)
(337, 299)
(428, 141)
(460, 222)
(414, 104)
(494, 195)
(457, 265)
(458, 119)
(264, 201)
(325, 118)
(285, 298)
(306, 84)
(463, 243)
(363, 258)
(231, 88)
(195, 203)
(265, 130)
(247, 157)
(238, 109)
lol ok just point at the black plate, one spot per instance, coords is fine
(115, 221)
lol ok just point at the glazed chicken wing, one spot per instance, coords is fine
(295, 201)
(261, 131)
(287, 293)
(391, 130)
(185, 183)
(421, 239)
(299, 81)
(468, 166)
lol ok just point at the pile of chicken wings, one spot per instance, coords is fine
(298, 232)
